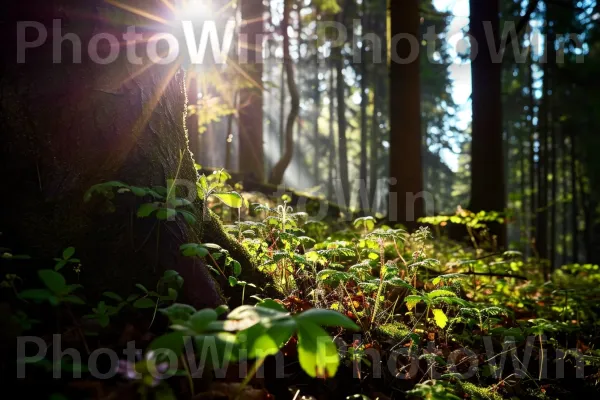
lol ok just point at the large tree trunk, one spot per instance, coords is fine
(251, 154)
(487, 164)
(69, 126)
(406, 163)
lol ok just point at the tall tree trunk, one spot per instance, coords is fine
(564, 167)
(551, 62)
(487, 165)
(332, 147)
(364, 102)
(317, 115)
(542, 222)
(406, 163)
(379, 96)
(575, 202)
(69, 126)
(533, 164)
(279, 169)
(251, 153)
(343, 176)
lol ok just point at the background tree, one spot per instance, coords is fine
(405, 112)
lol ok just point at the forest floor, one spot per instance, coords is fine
(366, 311)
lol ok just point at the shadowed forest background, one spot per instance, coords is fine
(357, 199)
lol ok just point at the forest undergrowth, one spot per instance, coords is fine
(365, 310)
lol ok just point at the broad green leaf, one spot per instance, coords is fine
(144, 302)
(188, 216)
(68, 253)
(200, 319)
(194, 250)
(412, 301)
(237, 267)
(328, 318)
(53, 280)
(112, 295)
(141, 287)
(73, 299)
(272, 304)
(145, 210)
(317, 353)
(166, 213)
(233, 199)
(439, 293)
(440, 318)
(171, 341)
(263, 341)
(36, 294)
(178, 313)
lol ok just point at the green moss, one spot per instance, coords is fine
(478, 392)
(394, 330)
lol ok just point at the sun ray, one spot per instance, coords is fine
(137, 11)
(252, 21)
(241, 71)
(138, 127)
(169, 5)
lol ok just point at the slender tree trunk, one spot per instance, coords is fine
(564, 167)
(342, 123)
(251, 154)
(332, 147)
(406, 163)
(364, 102)
(317, 115)
(487, 165)
(533, 164)
(279, 169)
(575, 202)
(282, 100)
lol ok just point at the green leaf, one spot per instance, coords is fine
(203, 184)
(178, 313)
(200, 319)
(233, 281)
(68, 253)
(194, 250)
(53, 280)
(439, 293)
(237, 268)
(412, 300)
(263, 340)
(73, 299)
(166, 213)
(317, 353)
(171, 341)
(36, 294)
(324, 317)
(188, 216)
(232, 199)
(222, 309)
(141, 287)
(144, 302)
(271, 304)
(145, 210)
(440, 318)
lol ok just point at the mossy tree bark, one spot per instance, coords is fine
(68, 126)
